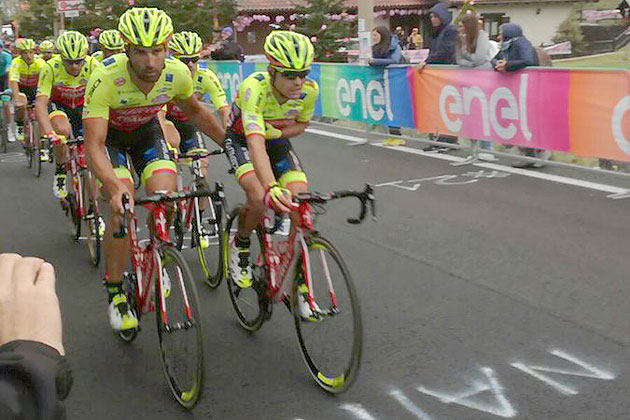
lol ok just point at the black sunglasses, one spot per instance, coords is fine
(74, 62)
(294, 74)
(187, 60)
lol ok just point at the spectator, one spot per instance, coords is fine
(400, 34)
(34, 376)
(516, 52)
(385, 48)
(229, 49)
(415, 41)
(474, 50)
(441, 51)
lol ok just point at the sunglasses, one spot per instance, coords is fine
(74, 62)
(187, 60)
(294, 74)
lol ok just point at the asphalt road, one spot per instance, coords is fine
(485, 294)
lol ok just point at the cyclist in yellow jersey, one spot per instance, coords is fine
(23, 77)
(59, 103)
(111, 43)
(186, 47)
(271, 107)
(47, 50)
(123, 96)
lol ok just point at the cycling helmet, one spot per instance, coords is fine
(185, 44)
(145, 26)
(25, 44)
(72, 45)
(289, 50)
(46, 46)
(111, 40)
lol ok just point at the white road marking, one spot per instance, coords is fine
(358, 411)
(408, 404)
(588, 371)
(502, 408)
(532, 174)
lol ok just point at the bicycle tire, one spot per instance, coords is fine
(4, 133)
(28, 150)
(74, 221)
(129, 286)
(337, 377)
(253, 298)
(37, 150)
(91, 218)
(212, 268)
(186, 396)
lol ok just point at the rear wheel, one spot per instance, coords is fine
(332, 340)
(210, 241)
(71, 208)
(249, 303)
(91, 218)
(4, 131)
(179, 328)
(37, 149)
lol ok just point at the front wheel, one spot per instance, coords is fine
(208, 237)
(179, 328)
(331, 339)
(249, 302)
(91, 218)
(36, 151)
(4, 132)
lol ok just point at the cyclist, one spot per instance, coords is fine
(186, 47)
(123, 97)
(59, 102)
(46, 50)
(111, 43)
(5, 64)
(23, 77)
(270, 108)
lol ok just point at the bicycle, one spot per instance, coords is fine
(81, 204)
(284, 272)
(160, 278)
(32, 147)
(5, 97)
(205, 225)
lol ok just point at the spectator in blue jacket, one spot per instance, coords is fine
(516, 52)
(441, 51)
(385, 48)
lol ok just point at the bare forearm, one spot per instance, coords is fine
(100, 165)
(205, 121)
(15, 89)
(260, 160)
(41, 111)
(224, 114)
(294, 130)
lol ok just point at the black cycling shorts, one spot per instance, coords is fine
(74, 116)
(191, 138)
(30, 92)
(285, 164)
(147, 148)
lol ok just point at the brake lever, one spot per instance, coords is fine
(123, 225)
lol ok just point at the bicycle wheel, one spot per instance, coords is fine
(210, 242)
(36, 152)
(249, 304)
(178, 228)
(4, 133)
(331, 345)
(129, 286)
(180, 339)
(91, 218)
(72, 215)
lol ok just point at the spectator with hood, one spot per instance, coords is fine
(229, 49)
(441, 51)
(385, 48)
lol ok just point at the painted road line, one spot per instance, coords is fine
(611, 189)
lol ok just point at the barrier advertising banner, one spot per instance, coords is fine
(580, 111)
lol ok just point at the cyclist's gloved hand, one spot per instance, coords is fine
(53, 138)
(272, 133)
(279, 198)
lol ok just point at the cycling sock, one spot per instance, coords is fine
(242, 242)
(113, 289)
(59, 170)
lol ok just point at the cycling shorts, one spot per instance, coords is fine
(30, 92)
(284, 162)
(4, 82)
(147, 148)
(56, 109)
(191, 138)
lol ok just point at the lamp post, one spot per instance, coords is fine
(365, 25)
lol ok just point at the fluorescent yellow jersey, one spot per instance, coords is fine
(256, 104)
(205, 81)
(98, 56)
(61, 87)
(24, 74)
(113, 96)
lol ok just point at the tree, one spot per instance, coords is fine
(570, 30)
(467, 7)
(328, 26)
(36, 19)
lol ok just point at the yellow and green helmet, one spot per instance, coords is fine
(111, 40)
(25, 44)
(185, 44)
(145, 26)
(46, 46)
(72, 45)
(289, 50)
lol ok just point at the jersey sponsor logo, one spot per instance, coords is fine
(163, 89)
(168, 77)
(120, 81)
(259, 77)
(108, 61)
(302, 95)
(200, 79)
(97, 82)
(69, 97)
(83, 81)
(248, 94)
(160, 99)
(292, 113)
(128, 119)
(252, 126)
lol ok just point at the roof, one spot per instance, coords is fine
(261, 5)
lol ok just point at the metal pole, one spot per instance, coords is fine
(365, 26)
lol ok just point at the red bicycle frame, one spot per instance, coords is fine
(74, 164)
